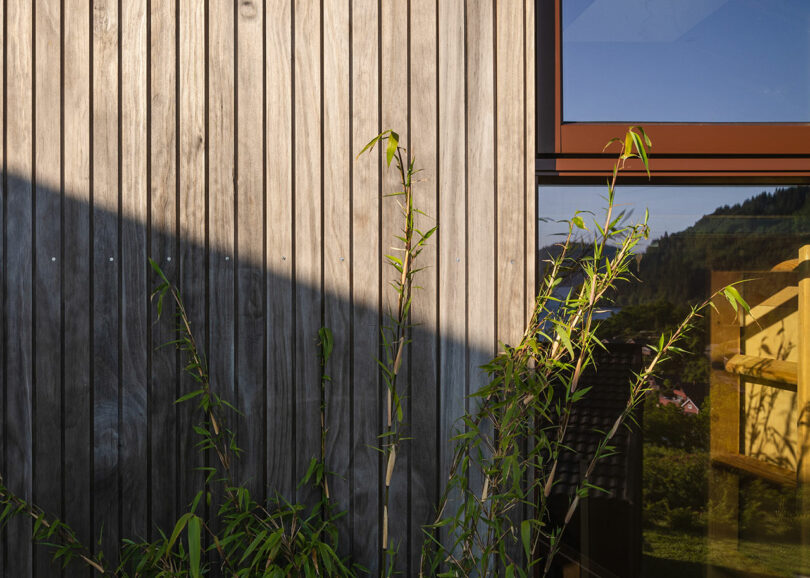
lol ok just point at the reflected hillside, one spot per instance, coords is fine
(721, 426)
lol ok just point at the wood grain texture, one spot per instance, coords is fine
(163, 249)
(366, 396)
(481, 241)
(250, 324)
(424, 351)
(280, 402)
(510, 144)
(308, 241)
(221, 216)
(47, 415)
(133, 469)
(530, 153)
(106, 263)
(453, 229)
(19, 283)
(77, 250)
(237, 174)
(192, 214)
(511, 201)
(336, 250)
(395, 116)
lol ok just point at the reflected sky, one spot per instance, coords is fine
(686, 60)
(672, 208)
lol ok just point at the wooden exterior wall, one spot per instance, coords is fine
(219, 138)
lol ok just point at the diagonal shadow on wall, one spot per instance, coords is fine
(90, 428)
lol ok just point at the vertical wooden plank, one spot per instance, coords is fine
(308, 235)
(163, 443)
(106, 259)
(47, 266)
(803, 355)
(452, 227)
(395, 116)
(803, 389)
(280, 444)
(530, 152)
(481, 201)
(724, 438)
(366, 286)
(3, 330)
(134, 290)
(250, 324)
(77, 250)
(192, 225)
(221, 119)
(19, 284)
(511, 209)
(511, 174)
(337, 228)
(424, 473)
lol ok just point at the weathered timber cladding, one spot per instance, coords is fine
(220, 139)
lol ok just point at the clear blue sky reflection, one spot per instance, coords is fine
(686, 60)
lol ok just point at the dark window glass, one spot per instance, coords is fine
(686, 60)
(711, 482)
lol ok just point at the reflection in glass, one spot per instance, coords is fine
(686, 60)
(722, 432)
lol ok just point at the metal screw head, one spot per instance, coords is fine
(112, 259)
(168, 258)
(227, 258)
(53, 258)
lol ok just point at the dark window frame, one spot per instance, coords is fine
(697, 153)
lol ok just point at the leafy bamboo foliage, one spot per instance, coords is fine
(527, 403)
(513, 441)
(276, 539)
(395, 334)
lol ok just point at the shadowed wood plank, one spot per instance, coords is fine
(336, 247)
(366, 397)
(221, 126)
(77, 247)
(511, 200)
(280, 392)
(3, 373)
(192, 205)
(481, 240)
(106, 263)
(308, 242)
(424, 474)
(19, 284)
(453, 229)
(163, 426)
(250, 324)
(47, 465)
(134, 290)
(395, 116)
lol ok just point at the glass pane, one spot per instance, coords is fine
(716, 457)
(686, 60)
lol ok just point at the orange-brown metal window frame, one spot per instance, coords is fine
(682, 152)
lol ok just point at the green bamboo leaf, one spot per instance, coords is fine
(194, 546)
(526, 536)
(393, 143)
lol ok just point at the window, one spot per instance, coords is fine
(722, 442)
(749, 146)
